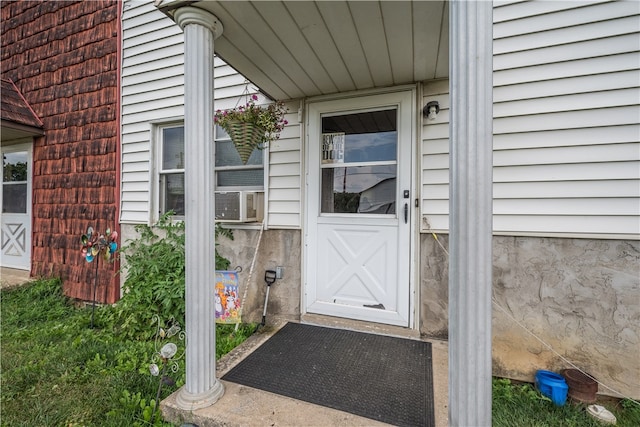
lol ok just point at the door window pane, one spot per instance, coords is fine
(368, 137)
(14, 167)
(14, 198)
(359, 163)
(14, 178)
(359, 189)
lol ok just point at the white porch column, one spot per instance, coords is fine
(470, 207)
(202, 388)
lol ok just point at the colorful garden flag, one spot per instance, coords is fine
(227, 297)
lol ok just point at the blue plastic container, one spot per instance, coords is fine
(553, 386)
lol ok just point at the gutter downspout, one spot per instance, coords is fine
(118, 186)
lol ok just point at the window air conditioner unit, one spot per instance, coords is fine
(239, 206)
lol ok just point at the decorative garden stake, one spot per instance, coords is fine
(166, 355)
(250, 126)
(93, 245)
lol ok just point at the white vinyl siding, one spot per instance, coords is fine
(435, 160)
(152, 88)
(152, 94)
(284, 190)
(566, 123)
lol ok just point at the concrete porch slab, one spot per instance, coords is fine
(246, 406)
(11, 277)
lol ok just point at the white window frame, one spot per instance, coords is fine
(160, 171)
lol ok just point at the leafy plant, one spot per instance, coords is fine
(269, 118)
(57, 372)
(155, 281)
(137, 410)
(228, 338)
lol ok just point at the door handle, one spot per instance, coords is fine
(406, 213)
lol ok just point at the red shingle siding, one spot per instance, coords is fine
(63, 57)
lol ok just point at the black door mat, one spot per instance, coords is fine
(379, 377)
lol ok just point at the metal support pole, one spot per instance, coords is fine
(470, 207)
(202, 388)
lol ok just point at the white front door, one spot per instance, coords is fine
(359, 205)
(15, 199)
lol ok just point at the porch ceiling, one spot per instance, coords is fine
(294, 49)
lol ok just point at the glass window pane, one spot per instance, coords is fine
(230, 171)
(368, 137)
(370, 147)
(240, 178)
(227, 155)
(14, 198)
(14, 166)
(360, 189)
(221, 133)
(173, 148)
(173, 193)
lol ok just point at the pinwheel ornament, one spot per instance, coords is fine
(94, 243)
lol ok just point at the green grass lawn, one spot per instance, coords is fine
(57, 371)
(522, 406)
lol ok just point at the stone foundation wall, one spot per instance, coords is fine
(277, 248)
(581, 297)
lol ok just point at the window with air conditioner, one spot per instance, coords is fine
(239, 187)
(239, 206)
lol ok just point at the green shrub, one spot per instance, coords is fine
(155, 268)
(57, 371)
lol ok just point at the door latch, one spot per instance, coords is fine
(405, 194)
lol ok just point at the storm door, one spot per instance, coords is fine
(15, 231)
(359, 208)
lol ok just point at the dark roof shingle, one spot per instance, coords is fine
(14, 108)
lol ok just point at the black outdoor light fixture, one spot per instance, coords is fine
(431, 110)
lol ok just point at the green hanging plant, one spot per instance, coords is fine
(250, 126)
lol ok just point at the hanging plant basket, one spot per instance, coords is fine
(250, 126)
(246, 137)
